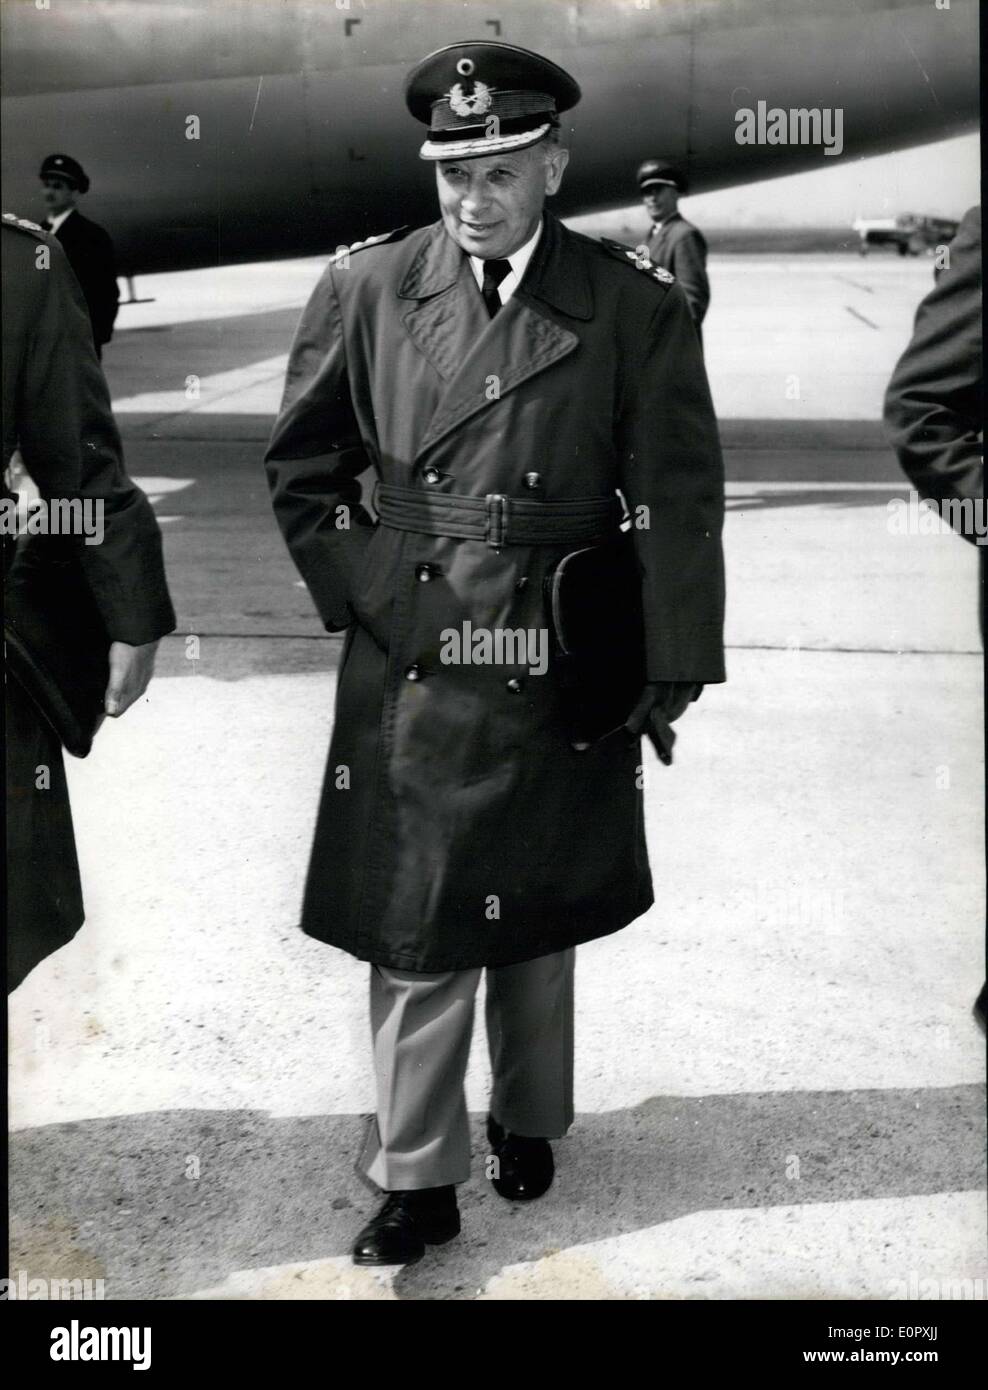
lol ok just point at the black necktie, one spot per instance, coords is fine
(494, 273)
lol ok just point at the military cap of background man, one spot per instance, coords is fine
(655, 171)
(63, 166)
(458, 89)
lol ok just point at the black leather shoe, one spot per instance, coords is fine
(406, 1224)
(525, 1166)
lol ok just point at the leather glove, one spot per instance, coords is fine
(661, 703)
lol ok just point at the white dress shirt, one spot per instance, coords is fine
(58, 218)
(518, 260)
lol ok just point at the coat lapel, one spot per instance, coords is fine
(447, 312)
(450, 325)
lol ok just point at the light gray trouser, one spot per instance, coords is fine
(421, 1027)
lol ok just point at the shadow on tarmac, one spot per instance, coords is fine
(111, 1197)
(230, 572)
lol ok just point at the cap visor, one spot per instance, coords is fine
(474, 149)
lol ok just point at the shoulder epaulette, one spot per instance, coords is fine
(12, 220)
(396, 235)
(639, 259)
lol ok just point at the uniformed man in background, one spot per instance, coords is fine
(87, 245)
(504, 377)
(672, 242)
(56, 413)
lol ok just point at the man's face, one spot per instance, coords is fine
(660, 201)
(59, 195)
(491, 205)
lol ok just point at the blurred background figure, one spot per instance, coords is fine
(934, 406)
(56, 411)
(674, 243)
(88, 246)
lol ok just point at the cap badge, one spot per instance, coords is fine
(475, 103)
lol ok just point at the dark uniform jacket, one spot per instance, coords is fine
(90, 253)
(934, 403)
(458, 827)
(680, 247)
(56, 410)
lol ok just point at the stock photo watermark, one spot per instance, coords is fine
(924, 516)
(25, 1288)
(77, 1342)
(499, 646)
(797, 125)
(63, 516)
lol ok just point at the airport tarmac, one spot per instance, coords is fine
(779, 1082)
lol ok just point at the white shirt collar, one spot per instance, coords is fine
(518, 260)
(59, 218)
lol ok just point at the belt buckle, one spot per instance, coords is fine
(497, 519)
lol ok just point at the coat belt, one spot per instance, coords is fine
(497, 519)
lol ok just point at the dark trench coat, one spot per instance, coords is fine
(457, 826)
(56, 410)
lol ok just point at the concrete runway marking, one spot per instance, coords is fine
(851, 310)
(868, 289)
(741, 490)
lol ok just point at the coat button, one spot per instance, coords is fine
(514, 685)
(413, 673)
(533, 479)
(425, 572)
(521, 584)
(431, 475)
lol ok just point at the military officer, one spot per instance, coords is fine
(56, 412)
(505, 378)
(87, 245)
(673, 242)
